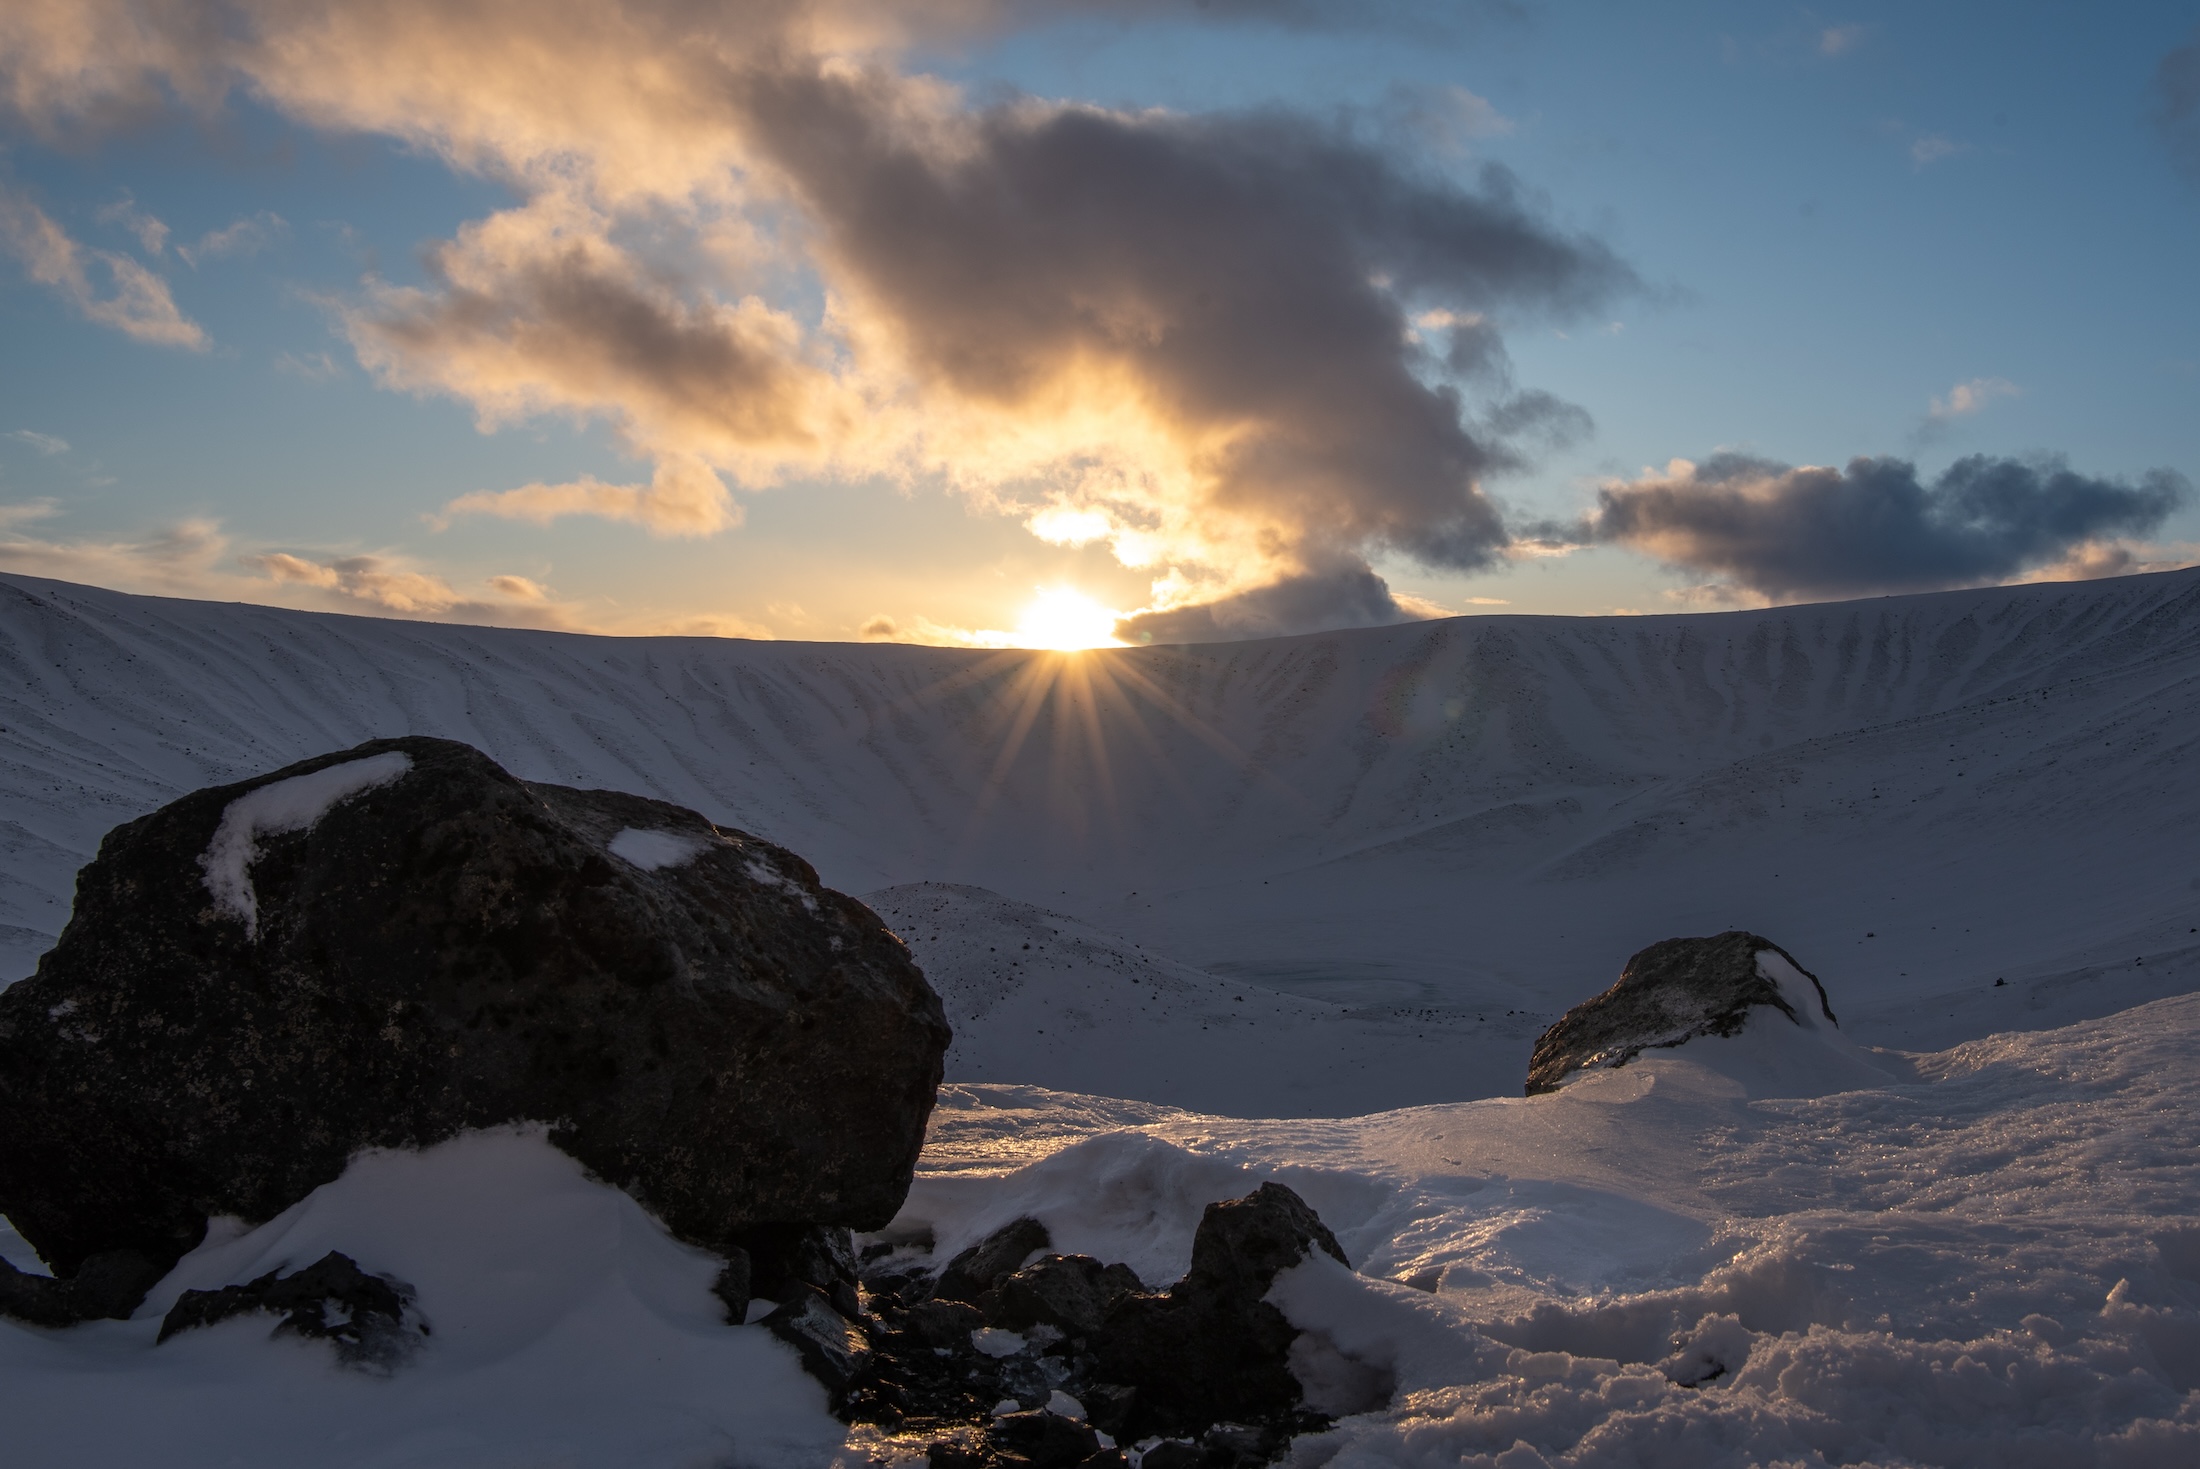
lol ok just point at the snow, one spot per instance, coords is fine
(652, 850)
(1954, 1229)
(1989, 1263)
(276, 808)
(566, 1328)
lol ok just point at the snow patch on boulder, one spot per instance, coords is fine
(274, 809)
(653, 850)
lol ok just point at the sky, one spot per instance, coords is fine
(978, 321)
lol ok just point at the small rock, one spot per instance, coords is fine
(1669, 993)
(107, 1286)
(1210, 1347)
(833, 1349)
(943, 1323)
(1046, 1439)
(1069, 1292)
(330, 1300)
(981, 1267)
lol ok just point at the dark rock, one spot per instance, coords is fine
(1046, 1440)
(732, 1285)
(1206, 1361)
(1210, 1347)
(833, 1349)
(234, 1011)
(1108, 1407)
(107, 1286)
(1173, 1454)
(1071, 1293)
(943, 1323)
(1669, 993)
(330, 1300)
(981, 1267)
(785, 1257)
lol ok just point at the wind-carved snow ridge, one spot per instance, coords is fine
(652, 850)
(274, 809)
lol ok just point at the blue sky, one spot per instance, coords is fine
(1925, 232)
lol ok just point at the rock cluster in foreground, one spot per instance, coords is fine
(1014, 1356)
(385, 946)
(1669, 994)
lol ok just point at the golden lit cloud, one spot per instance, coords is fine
(136, 302)
(757, 244)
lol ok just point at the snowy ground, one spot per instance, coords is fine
(1990, 1259)
(1408, 850)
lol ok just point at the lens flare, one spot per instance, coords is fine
(1065, 619)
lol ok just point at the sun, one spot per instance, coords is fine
(1065, 619)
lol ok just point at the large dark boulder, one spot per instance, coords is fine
(387, 945)
(1669, 994)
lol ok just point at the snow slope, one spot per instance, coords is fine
(1036, 993)
(1916, 795)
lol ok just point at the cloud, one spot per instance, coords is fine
(1840, 40)
(2175, 105)
(1929, 148)
(683, 498)
(137, 302)
(314, 367)
(151, 233)
(1965, 399)
(1448, 119)
(180, 559)
(43, 443)
(756, 241)
(244, 237)
(1350, 596)
(1874, 527)
(384, 585)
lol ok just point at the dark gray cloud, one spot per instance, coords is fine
(2176, 105)
(1350, 596)
(1874, 526)
(1249, 277)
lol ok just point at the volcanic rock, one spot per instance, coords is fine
(985, 1264)
(384, 946)
(330, 1300)
(1669, 994)
(1207, 1361)
(1071, 1293)
(1210, 1348)
(832, 1347)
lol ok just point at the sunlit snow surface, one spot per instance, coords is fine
(1994, 1263)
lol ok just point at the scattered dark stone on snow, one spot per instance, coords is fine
(330, 1300)
(1205, 1361)
(107, 1286)
(981, 1267)
(237, 1007)
(1669, 993)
